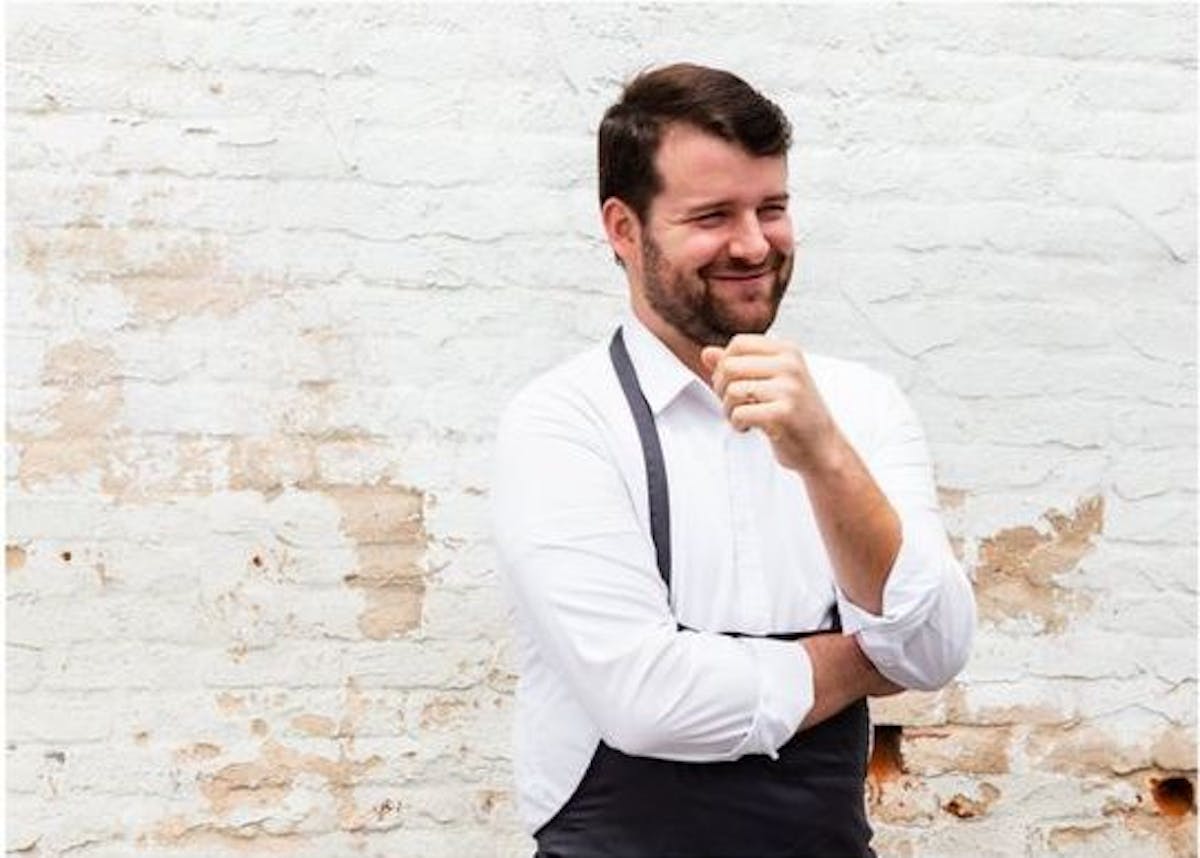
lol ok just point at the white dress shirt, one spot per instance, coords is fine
(598, 651)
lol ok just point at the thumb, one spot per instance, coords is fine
(710, 355)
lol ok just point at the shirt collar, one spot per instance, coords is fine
(662, 375)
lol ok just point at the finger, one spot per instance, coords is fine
(758, 415)
(749, 392)
(710, 356)
(732, 368)
(756, 344)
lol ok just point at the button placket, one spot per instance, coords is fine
(752, 608)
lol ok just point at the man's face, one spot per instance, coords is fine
(717, 246)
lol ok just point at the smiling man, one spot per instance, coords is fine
(717, 544)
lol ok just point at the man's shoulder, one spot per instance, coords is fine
(848, 376)
(863, 400)
(568, 391)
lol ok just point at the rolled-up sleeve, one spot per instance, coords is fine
(585, 586)
(923, 637)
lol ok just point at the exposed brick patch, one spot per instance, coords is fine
(385, 522)
(1018, 566)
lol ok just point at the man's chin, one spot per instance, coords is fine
(755, 319)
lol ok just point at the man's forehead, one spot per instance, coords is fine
(692, 162)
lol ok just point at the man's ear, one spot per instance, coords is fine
(623, 228)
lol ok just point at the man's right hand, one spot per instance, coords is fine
(841, 675)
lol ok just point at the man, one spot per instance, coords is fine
(717, 545)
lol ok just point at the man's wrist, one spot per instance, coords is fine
(828, 455)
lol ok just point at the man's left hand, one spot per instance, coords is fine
(764, 383)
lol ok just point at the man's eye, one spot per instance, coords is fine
(773, 211)
(710, 218)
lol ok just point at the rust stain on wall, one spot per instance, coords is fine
(1017, 566)
(1171, 827)
(386, 524)
(965, 807)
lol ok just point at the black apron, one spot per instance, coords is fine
(809, 803)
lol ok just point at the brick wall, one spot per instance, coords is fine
(273, 271)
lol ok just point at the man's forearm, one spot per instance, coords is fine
(860, 529)
(841, 675)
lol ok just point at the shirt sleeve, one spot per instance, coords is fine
(923, 637)
(585, 585)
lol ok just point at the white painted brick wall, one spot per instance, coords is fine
(273, 271)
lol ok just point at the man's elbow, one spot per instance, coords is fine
(944, 657)
(635, 732)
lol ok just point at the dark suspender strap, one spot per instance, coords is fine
(656, 469)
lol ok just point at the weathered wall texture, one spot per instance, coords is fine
(273, 271)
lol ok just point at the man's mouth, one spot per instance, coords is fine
(740, 275)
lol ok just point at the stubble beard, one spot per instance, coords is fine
(686, 302)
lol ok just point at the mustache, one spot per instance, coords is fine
(774, 263)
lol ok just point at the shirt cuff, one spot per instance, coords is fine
(915, 576)
(923, 635)
(785, 694)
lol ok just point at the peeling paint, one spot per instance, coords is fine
(176, 832)
(442, 711)
(229, 704)
(270, 464)
(1067, 836)
(164, 276)
(198, 751)
(949, 498)
(84, 415)
(960, 709)
(314, 725)
(903, 801)
(1017, 567)
(267, 780)
(935, 751)
(386, 524)
(14, 558)
(1088, 751)
(1177, 833)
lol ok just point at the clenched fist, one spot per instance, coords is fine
(764, 384)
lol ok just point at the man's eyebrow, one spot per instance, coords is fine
(712, 205)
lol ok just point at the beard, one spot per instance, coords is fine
(687, 301)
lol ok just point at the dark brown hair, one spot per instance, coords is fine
(712, 100)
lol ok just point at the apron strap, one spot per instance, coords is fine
(656, 469)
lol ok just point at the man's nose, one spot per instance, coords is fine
(748, 242)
